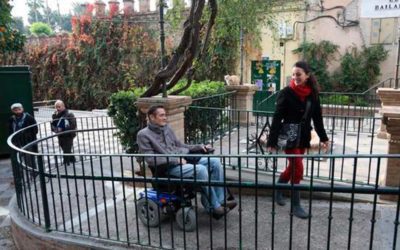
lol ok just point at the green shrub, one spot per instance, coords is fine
(40, 29)
(125, 114)
(345, 100)
(11, 40)
(360, 101)
(360, 69)
(336, 99)
(210, 120)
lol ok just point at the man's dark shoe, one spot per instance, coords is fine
(219, 212)
(230, 204)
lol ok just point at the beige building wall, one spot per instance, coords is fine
(280, 47)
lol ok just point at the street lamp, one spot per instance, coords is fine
(162, 43)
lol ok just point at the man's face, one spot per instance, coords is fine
(18, 111)
(159, 117)
(60, 107)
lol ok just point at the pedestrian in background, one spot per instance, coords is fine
(20, 120)
(64, 121)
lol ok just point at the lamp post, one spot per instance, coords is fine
(241, 54)
(162, 43)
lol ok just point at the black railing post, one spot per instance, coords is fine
(45, 202)
(17, 178)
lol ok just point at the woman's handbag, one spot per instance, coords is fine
(290, 133)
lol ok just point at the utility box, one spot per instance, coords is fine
(15, 85)
(266, 75)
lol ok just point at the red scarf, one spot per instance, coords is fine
(302, 91)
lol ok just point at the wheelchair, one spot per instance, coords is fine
(167, 200)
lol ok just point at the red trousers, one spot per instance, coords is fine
(294, 170)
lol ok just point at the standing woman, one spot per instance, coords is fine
(290, 108)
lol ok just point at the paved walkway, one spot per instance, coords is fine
(107, 209)
(6, 192)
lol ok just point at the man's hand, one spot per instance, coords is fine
(208, 149)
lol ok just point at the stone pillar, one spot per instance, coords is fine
(389, 97)
(242, 100)
(128, 8)
(100, 8)
(175, 108)
(391, 117)
(144, 6)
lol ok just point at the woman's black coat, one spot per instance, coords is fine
(290, 109)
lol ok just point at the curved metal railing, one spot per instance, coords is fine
(97, 195)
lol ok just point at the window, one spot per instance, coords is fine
(383, 30)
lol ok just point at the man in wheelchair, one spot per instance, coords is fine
(159, 138)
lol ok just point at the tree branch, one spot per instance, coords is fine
(179, 52)
(191, 71)
(187, 50)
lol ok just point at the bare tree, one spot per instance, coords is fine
(182, 59)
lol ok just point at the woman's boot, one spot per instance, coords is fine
(298, 211)
(279, 195)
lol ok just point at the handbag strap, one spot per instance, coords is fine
(307, 111)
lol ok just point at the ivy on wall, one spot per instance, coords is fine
(359, 68)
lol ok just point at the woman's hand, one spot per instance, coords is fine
(271, 149)
(325, 145)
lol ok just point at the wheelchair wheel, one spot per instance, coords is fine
(186, 219)
(149, 212)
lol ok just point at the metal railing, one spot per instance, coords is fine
(97, 196)
(195, 126)
(364, 103)
(240, 131)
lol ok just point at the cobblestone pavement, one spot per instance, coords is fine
(6, 193)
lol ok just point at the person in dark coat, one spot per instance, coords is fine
(290, 108)
(19, 121)
(63, 121)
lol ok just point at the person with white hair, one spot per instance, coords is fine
(21, 120)
(62, 122)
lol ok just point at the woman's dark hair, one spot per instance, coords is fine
(311, 81)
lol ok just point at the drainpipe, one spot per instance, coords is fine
(305, 24)
(396, 74)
